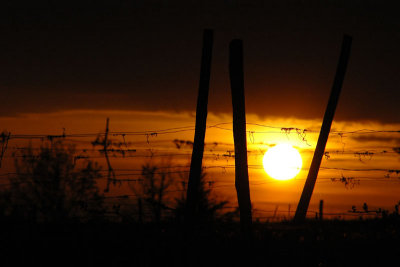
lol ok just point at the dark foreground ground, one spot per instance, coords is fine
(327, 243)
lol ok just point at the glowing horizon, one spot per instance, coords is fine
(355, 166)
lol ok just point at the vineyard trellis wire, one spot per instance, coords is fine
(152, 146)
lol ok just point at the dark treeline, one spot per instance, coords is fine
(50, 186)
(53, 213)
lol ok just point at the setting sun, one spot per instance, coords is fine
(282, 162)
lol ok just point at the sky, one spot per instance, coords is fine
(146, 56)
(66, 68)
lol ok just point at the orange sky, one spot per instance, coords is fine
(66, 68)
(347, 154)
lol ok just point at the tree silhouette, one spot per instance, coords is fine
(152, 191)
(49, 186)
(162, 194)
(208, 206)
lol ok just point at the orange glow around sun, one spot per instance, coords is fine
(282, 162)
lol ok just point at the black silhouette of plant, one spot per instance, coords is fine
(50, 187)
(152, 192)
(209, 207)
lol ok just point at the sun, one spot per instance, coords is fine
(282, 162)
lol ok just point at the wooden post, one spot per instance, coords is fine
(140, 211)
(239, 134)
(324, 133)
(4, 143)
(200, 131)
(321, 210)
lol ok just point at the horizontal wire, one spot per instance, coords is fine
(192, 128)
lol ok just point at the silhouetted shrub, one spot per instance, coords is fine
(49, 186)
(154, 188)
(209, 208)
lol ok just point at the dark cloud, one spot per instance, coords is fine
(146, 56)
(376, 139)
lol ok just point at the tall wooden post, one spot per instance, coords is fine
(321, 210)
(325, 129)
(5, 137)
(140, 210)
(200, 131)
(239, 134)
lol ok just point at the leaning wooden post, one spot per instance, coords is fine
(239, 134)
(324, 133)
(5, 138)
(140, 210)
(200, 131)
(321, 210)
